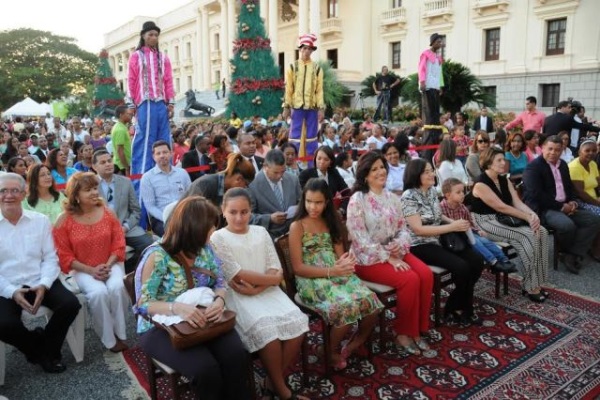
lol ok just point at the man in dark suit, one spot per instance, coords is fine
(43, 150)
(273, 192)
(562, 120)
(549, 191)
(119, 195)
(247, 145)
(483, 122)
(197, 156)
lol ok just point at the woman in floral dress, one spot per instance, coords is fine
(325, 277)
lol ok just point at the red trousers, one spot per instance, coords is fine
(413, 292)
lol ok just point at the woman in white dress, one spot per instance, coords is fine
(267, 320)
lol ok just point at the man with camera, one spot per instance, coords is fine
(383, 86)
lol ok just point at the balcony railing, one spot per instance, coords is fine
(434, 8)
(393, 16)
(481, 5)
(331, 25)
(215, 55)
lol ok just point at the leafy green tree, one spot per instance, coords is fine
(461, 88)
(41, 65)
(256, 85)
(333, 90)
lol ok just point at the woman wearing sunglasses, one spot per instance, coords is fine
(480, 144)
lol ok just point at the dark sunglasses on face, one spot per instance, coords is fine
(483, 141)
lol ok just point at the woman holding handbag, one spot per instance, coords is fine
(495, 201)
(423, 214)
(217, 368)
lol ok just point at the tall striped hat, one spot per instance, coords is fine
(308, 39)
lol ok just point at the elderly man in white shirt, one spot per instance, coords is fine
(29, 279)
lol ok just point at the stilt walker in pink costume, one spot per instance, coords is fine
(304, 97)
(150, 92)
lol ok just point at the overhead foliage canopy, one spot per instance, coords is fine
(42, 66)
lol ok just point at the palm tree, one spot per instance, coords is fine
(460, 87)
(333, 90)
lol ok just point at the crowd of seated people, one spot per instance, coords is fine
(371, 212)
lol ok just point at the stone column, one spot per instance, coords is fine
(315, 25)
(232, 32)
(264, 9)
(224, 38)
(206, 82)
(302, 17)
(197, 80)
(273, 22)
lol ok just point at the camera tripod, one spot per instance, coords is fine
(360, 102)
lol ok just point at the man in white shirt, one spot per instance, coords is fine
(59, 131)
(28, 279)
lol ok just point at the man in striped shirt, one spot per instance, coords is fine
(151, 93)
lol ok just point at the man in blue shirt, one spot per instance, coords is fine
(161, 185)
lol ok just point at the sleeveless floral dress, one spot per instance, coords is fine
(339, 300)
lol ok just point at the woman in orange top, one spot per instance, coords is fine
(90, 242)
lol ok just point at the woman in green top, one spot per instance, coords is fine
(42, 196)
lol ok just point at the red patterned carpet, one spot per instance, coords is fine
(523, 351)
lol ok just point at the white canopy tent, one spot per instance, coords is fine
(28, 108)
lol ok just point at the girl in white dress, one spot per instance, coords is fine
(267, 320)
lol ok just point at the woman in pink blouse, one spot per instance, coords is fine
(381, 244)
(90, 241)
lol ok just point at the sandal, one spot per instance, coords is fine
(535, 297)
(422, 344)
(410, 348)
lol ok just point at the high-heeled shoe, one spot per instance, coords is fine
(535, 297)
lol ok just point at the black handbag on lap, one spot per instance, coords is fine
(455, 241)
(511, 221)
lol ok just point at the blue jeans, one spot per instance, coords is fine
(489, 250)
(383, 106)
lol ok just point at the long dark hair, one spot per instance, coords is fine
(33, 179)
(331, 217)
(142, 43)
(365, 163)
(329, 153)
(51, 159)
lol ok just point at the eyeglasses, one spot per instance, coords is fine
(13, 191)
(483, 141)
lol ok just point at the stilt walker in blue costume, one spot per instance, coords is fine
(151, 93)
(304, 97)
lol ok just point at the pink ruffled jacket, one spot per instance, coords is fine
(156, 83)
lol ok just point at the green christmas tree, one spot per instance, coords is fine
(107, 94)
(256, 86)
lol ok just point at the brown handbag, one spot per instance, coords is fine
(184, 335)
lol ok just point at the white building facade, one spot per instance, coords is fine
(518, 48)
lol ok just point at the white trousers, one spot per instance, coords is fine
(108, 302)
